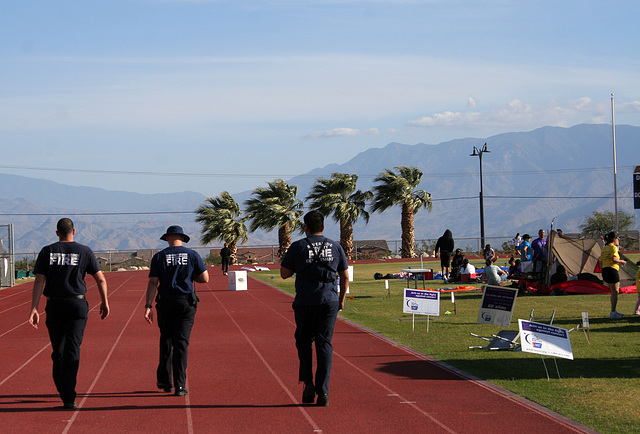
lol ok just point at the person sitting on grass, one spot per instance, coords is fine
(456, 265)
(558, 277)
(515, 269)
(492, 273)
(467, 268)
(489, 253)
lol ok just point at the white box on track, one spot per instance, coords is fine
(237, 280)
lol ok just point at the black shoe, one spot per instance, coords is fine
(181, 391)
(166, 387)
(308, 394)
(70, 405)
(323, 401)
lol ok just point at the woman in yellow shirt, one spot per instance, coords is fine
(610, 260)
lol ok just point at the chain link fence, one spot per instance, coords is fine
(7, 265)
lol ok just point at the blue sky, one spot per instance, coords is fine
(163, 96)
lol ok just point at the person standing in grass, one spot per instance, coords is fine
(445, 246)
(317, 262)
(60, 270)
(610, 260)
(636, 310)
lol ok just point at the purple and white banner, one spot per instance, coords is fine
(421, 302)
(545, 339)
(497, 305)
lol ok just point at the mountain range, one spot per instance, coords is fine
(529, 180)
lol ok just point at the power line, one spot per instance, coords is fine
(282, 175)
(194, 212)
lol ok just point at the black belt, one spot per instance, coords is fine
(173, 297)
(70, 297)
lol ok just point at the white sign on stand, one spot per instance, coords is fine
(497, 305)
(545, 339)
(421, 302)
(237, 280)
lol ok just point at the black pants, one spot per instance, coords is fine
(66, 321)
(225, 264)
(175, 320)
(315, 324)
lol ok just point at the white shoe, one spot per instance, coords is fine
(615, 315)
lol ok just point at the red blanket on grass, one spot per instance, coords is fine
(588, 287)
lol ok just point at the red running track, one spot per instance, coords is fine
(242, 374)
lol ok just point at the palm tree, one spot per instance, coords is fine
(221, 220)
(338, 197)
(400, 189)
(275, 206)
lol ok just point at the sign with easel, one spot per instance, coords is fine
(497, 305)
(585, 325)
(636, 188)
(546, 340)
(453, 301)
(420, 302)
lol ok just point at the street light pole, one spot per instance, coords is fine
(478, 153)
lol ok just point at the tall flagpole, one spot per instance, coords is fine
(615, 165)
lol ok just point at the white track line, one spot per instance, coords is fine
(24, 364)
(304, 412)
(104, 364)
(494, 389)
(40, 350)
(15, 306)
(16, 293)
(390, 392)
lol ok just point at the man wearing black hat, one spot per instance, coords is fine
(172, 273)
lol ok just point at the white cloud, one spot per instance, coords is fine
(517, 114)
(471, 102)
(341, 132)
(628, 107)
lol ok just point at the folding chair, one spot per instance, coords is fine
(504, 340)
(542, 318)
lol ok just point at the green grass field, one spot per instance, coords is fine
(591, 387)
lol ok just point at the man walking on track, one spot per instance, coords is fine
(225, 255)
(317, 262)
(172, 273)
(60, 270)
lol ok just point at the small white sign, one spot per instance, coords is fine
(585, 320)
(421, 302)
(545, 339)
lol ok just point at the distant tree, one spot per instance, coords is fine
(221, 219)
(275, 206)
(25, 264)
(601, 223)
(400, 189)
(213, 259)
(508, 247)
(338, 197)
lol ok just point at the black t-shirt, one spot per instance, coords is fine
(65, 264)
(176, 268)
(315, 277)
